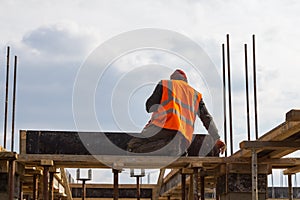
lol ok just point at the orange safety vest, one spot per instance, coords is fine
(178, 107)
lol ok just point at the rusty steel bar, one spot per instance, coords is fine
(224, 96)
(14, 106)
(247, 91)
(254, 88)
(6, 97)
(229, 96)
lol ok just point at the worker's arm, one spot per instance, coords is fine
(210, 125)
(153, 101)
(207, 120)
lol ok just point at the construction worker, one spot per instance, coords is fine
(174, 105)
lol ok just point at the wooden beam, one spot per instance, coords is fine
(272, 145)
(279, 133)
(282, 131)
(160, 181)
(292, 170)
(106, 161)
(22, 142)
(7, 155)
(66, 183)
(293, 115)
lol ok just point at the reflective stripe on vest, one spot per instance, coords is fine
(178, 107)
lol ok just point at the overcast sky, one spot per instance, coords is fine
(54, 39)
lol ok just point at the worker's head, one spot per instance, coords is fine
(178, 74)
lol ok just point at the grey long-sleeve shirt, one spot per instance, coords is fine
(207, 120)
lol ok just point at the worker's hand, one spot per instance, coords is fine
(221, 145)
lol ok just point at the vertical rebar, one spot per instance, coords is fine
(254, 88)
(6, 97)
(247, 91)
(14, 106)
(229, 96)
(224, 96)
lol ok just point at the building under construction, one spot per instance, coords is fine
(37, 171)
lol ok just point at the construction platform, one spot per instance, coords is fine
(44, 155)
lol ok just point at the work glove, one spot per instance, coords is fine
(221, 145)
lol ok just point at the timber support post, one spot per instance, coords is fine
(254, 175)
(46, 165)
(116, 184)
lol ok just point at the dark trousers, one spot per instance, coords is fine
(154, 140)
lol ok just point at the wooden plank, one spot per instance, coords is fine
(273, 145)
(246, 168)
(45, 162)
(292, 170)
(284, 162)
(106, 161)
(159, 184)
(279, 133)
(22, 142)
(282, 131)
(97, 143)
(293, 115)
(66, 184)
(7, 155)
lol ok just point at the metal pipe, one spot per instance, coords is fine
(254, 88)
(6, 97)
(229, 96)
(116, 184)
(14, 105)
(224, 96)
(247, 91)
